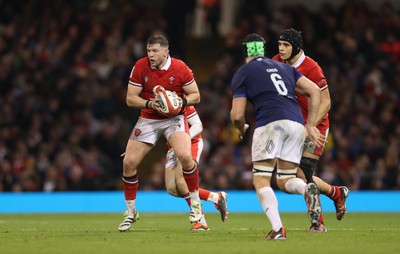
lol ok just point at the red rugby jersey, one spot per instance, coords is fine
(174, 75)
(310, 69)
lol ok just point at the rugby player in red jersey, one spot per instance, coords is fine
(290, 52)
(149, 75)
(174, 181)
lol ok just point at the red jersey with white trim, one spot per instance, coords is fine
(310, 69)
(174, 75)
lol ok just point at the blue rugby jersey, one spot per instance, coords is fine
(270, 87)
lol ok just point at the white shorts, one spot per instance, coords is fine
(197, 149)
(283, 139)
(150, 130)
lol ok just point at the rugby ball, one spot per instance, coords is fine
(170, 103)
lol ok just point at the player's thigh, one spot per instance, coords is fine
(148, 130)
(180, 142)
(278, 139)
(292, 147)
(267, 142)
(171, 160)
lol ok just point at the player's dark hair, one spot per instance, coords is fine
(253, 45)
(294, 38)
(158, 39)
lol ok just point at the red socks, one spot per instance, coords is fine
(204, 194)
(334, 193)
(187, 198)
(130, 187)
(192, 178)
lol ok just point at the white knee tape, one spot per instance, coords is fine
(286, 173)
(259, 170)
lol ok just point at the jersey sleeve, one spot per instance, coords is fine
(186, 75)
(297, 74)
(318, 77)
(237, 85)
(134, 78)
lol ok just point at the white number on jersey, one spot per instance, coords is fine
(279, 84)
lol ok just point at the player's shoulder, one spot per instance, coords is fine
(310, 62)
(177, 63)
(309, 65)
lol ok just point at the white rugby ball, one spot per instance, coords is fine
(170, 103)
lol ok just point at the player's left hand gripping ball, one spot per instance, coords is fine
(170, 103)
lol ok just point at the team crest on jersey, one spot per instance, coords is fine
(146, 79)
(171, 80)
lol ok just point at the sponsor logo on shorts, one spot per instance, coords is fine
(137, 132)
(270, 146)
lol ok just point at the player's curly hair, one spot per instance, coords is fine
(295, 39)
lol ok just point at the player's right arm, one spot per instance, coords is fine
(317, 76)
(134, 100)
(306, 87)
(192, 93)
(237, 115)
(325, 105)
(239, 102)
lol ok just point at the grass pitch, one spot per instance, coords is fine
(170, 233)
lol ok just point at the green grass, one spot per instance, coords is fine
(169, 233)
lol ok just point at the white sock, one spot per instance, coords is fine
(295, 186)
(131, 206)
(213, 197)
(194, 195)
(269, 203)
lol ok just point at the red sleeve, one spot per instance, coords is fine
(186, 74)
(317, 76)
(135, 77)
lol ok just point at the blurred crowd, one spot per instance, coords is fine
(64, 72)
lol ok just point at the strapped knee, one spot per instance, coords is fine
(308, 165)
(259, 170)
(285, 173)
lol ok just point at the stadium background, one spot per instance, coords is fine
(65, 65)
